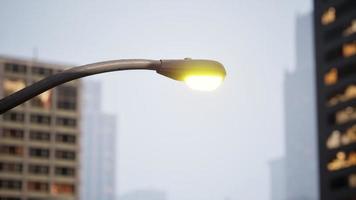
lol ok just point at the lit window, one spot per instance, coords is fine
(35, 186)
(43, 100)
(346, 115)
(328, 16)
(61, 188)
(349, 49)
(348, 94)
(331, 77)
(351, 29)
(13, 85)
(352, 180)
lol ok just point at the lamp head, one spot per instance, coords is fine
(203, 75)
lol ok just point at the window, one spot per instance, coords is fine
(11, 150)
(44, 100)
(41, 71)
(65, 121)
(12, 133)
(328, 16)
(39, 135)
(10, 167)
(14, 117)
(61, 188)
(36, 186)
(39, 152)
(346, 115)
(40, 119)
(65, 171)
(65, 138)
(9, 198)
(12, 85)
(67, 97)
(331, 77)
(351, 29)
(38, 169)
(349, 49)
(10, 184)
(66, 155)
(15, 68)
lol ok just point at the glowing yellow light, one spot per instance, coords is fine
(203, 83)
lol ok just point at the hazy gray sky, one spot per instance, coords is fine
(196, 146)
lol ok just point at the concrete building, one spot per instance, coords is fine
(99, 147)
(39, 140)
(300, 118)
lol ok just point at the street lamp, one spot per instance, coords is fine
(198, 74)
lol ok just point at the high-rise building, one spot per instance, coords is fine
(146, 194)
(300, 123)
(335, 40)
(277, 169)
(39, 140)
(98, 146)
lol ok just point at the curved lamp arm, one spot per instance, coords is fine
(199, 72)
(45, 84)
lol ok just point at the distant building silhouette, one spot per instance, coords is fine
(278, 179)
(148, 194)
(99, 147)
(300, 118)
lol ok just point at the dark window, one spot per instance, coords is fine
(10, 198)
(40, 119)
(38, 169)
(65, 121)
(65, 138)
(15, 68)
(36, 186)
(14, 117)
(12, 133)
(66, 155)
(65, 171)
(67, 97)
(11, 150)
(10, 167)
(10, 184)
(41, 71)
(39, 135)
(39, 152)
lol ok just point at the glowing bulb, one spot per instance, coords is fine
(203, 83)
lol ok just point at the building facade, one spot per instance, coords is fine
(300, 123)
(39, 140)
(335, 40)
(99, 147)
